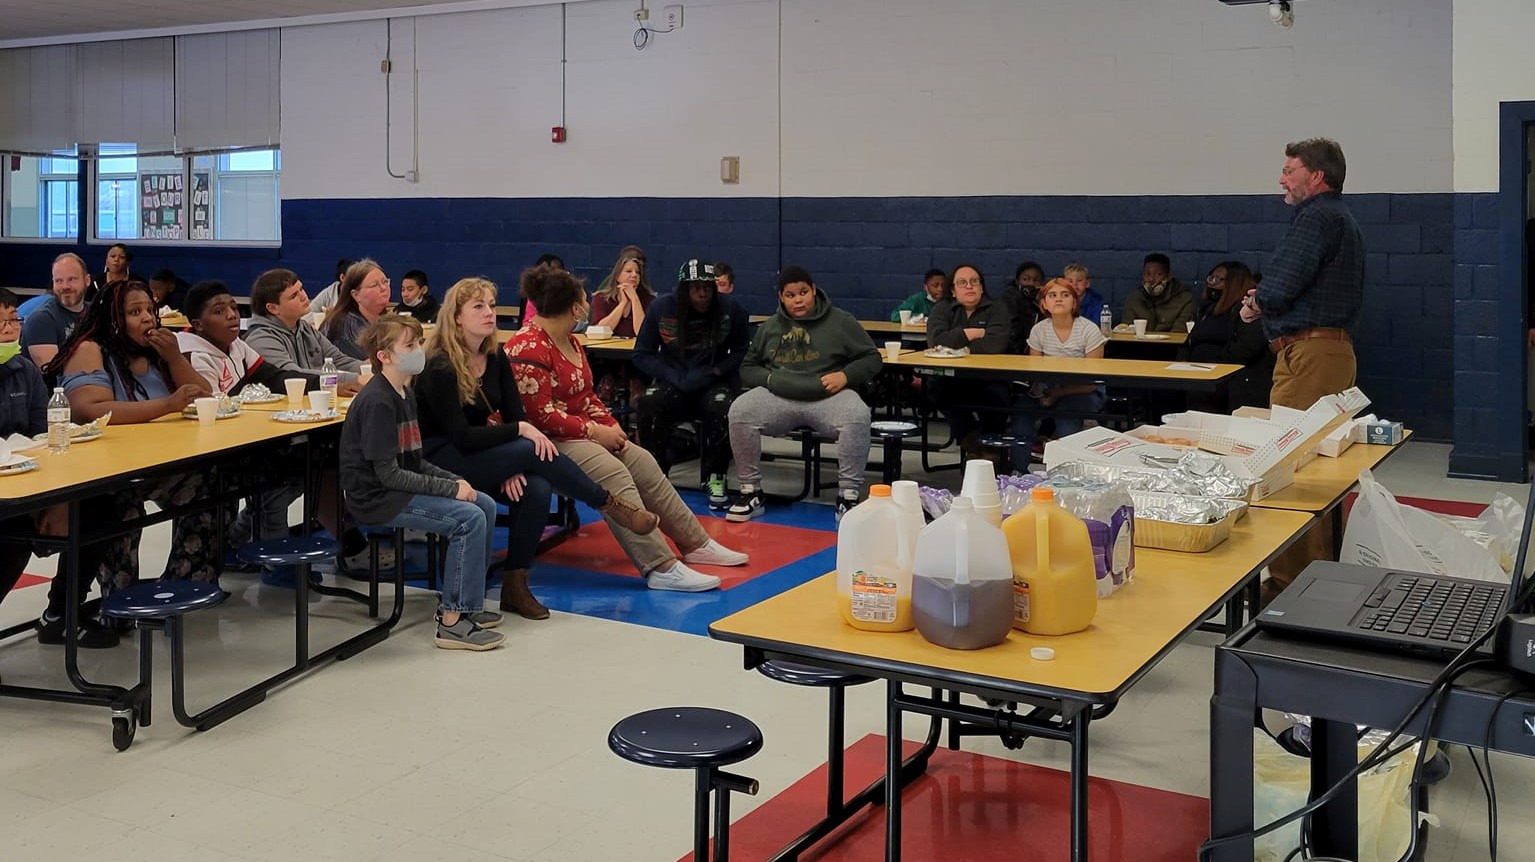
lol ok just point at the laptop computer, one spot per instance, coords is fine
(1393, 610)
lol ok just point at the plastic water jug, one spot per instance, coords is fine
(1054, 576)
(874, 565)
(962, 581)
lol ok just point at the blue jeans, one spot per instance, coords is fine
(468, 528)
(1025, 428)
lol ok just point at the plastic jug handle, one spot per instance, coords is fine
(962, 572)
(1041, 539)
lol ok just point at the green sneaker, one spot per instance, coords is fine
(717, 494)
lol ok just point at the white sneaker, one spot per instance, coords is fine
(681, 579)
(715, 554)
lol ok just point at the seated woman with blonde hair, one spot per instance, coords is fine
(472, 424)
(554, 379)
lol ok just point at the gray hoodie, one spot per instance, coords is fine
(302, 348)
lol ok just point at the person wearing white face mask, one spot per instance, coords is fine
(389, 484)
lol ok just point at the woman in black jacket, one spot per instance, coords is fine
(1222, 336)
(971, 319)
(472, 424)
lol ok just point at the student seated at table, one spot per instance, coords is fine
(1163, 301)
(280, 330)
(935, 287)
(416, 297)
(170, 291)
(555, 381)
(363, 297)
(691, 347)
(331, 293)
(472, 424)
(1062, 333)
(389, 484)
(724, 278)
(804, 368)
(1223, 336)
(121, 361)
(47, 327)
(24, 410)
(968, 319)
(1021, 299)
(1089, 301)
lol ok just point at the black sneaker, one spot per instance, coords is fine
(747, 506)
(92, 634)
(845, 501)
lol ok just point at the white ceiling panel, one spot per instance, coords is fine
(24, 20)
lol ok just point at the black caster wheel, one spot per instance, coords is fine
(123, 729)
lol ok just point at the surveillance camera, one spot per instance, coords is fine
(1281, 14)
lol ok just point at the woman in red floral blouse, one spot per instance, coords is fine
(555, 382)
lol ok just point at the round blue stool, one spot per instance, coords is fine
(153, 605)
(700, 739)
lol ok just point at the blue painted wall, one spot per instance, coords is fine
(870, 252)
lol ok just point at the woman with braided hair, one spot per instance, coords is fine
(120, 361)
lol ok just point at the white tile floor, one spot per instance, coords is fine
(409, 753)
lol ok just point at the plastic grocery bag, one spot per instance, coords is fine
(1497, 529)
(1282, 781)
(1383, 532)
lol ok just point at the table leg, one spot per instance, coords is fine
(1232, 709)
(1079, 778)
(1334, 753)
(893, 772)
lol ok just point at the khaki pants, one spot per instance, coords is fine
(1303, 372)
(634, 475)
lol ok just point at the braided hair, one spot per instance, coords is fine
(105, 322)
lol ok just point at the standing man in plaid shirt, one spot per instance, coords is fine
(1309, 302)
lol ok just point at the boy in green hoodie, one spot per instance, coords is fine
(803, 368)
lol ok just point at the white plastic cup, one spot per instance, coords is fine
(1189, 326)
(295, 387)
(207, 410)
(1140, 327)
(905, 316)
(319, 401)
(892, 350)
(980, 483)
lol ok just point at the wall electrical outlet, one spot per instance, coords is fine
(672, 17)
(642, 14)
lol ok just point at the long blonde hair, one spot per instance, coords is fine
(447, 339)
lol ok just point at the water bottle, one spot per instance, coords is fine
(329, 378)
(58, 421)
(1106, 321)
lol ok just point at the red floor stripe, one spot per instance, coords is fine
(973, 808)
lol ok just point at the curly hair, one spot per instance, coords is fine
(105, 322)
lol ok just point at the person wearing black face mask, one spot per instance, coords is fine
(1222, 336)
(1163, 301)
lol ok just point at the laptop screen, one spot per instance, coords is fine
(1519, 585)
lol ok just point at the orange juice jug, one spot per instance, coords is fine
(1055, 588)
(874, 565)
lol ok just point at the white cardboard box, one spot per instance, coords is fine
(1271, 465)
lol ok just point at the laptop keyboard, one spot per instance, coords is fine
(1430, 608)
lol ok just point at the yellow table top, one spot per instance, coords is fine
(1138, 368)
(507, 311)
(1322, 483)
(1171, 593)
(1169, 338)
(127, 449)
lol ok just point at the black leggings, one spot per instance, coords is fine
(488, 469)
(15, 555)
(663, 406)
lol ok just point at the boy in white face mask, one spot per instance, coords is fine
(389, 484)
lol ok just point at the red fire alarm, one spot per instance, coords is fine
(557, 134)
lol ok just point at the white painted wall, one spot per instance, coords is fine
(1492, 65)
(879, 97)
